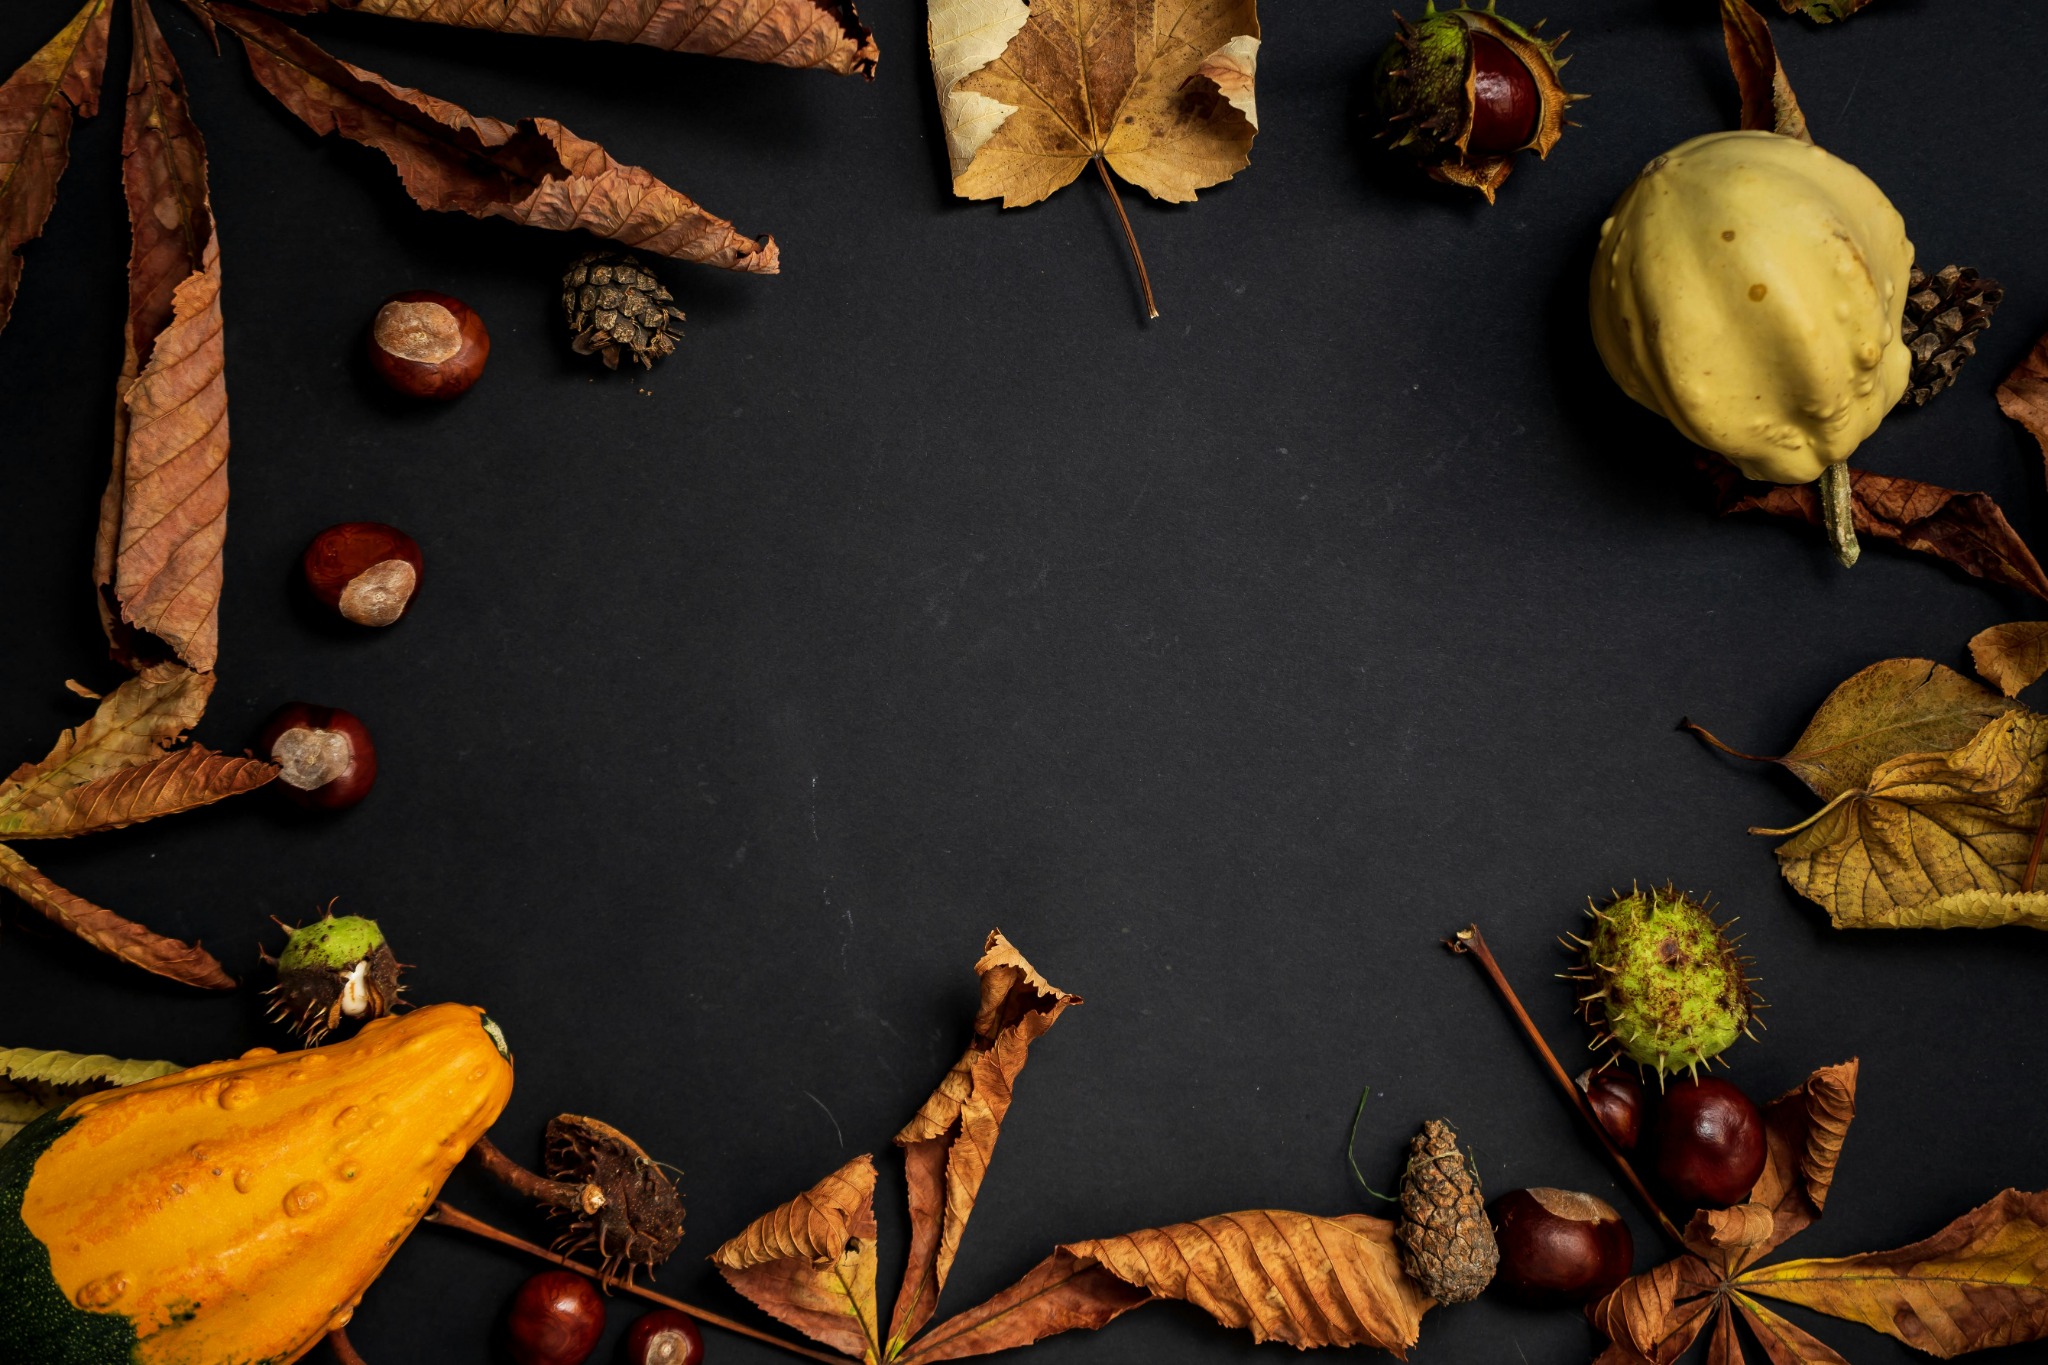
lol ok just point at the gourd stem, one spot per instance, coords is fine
(448, 1216)
(344, 1350)
(554, 1193)
(1838, 513)
(1137, 256)
(1470, 940)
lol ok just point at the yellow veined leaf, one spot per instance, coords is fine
(1783, 1341)
(2012, 656)
(135, 723)
(34, 1081)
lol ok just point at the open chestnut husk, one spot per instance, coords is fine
(1707, 1143)
(324, 756)
(1559, 1247)
(1616, 1099)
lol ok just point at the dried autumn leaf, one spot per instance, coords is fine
(181, 781)
(1980, 1282)
(948, 1145)
(1289, 1277)
(811, 1262)
(1965, 530)
(2023, 396)
(34, 1081)
(1768, 103)
(2013, 656)
(825, 34)
(1822, 11)
(135, 723)
(1784, 1342)
(534, 172)
(163, 519)
(1657, 1315)
(1724, 1349)
(38, 104)
(109, 932)
(1932, 840)
(1804, 1130)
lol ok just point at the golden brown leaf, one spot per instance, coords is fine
(34, 1081)
(1830, 1106)
(811, 1262)
(135, 723)
(163, 519)
(107, 931)
(1062, 1293)
(534, 172)
(1804, 1129)
(948, 1145)
(1932, 840)
(38, 104)
(1784, 1342)
(2024, 394)
(1724, 1349)
(1980, 1282)
(1730, 1229)
(181, 781)
(1657, 1315)
(1030, 94)
(1767, 100)
(823, 34)
(2013, 656)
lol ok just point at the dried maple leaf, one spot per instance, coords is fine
(34, 1081)
(1283, 1276)
(38, 105)
(2013, 656)
(1160, 91)
(2023, 396)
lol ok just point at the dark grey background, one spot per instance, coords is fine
(1226, 662)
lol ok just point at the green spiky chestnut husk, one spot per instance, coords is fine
(338, 967)
(1424, 90)
(1663, 981)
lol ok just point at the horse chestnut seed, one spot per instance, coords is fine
(1559, 1247)
(555, 1319)
(365, 570)
(428, 345)
(1505, 101)
(1707, 1142)
(324, 757)
(1616, 1099)
(664, 1337)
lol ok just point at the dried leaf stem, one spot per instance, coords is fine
(344, 1349)
(1137, 256)
(586, 1198)
(1470, 941)
(1838, 514)
(449, 1217)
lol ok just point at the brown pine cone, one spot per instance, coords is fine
(615, 306)
(1944, 313)
(1446, 1242)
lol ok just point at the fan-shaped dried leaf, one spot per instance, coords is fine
(107, 931)
(38, 104)
(1767, 100)
(163, 519)
(1928, 837)
(2013, 656)
(811, 1262)
(1965, 530)
(1138, 83)
(181, 781)
(948, 1145)
(34, 1081)
(1783, 1341)
(1980, 1282)
(1657, 1315)
(2024, 394)
(823, 34)
(534, 172)
(135, 723)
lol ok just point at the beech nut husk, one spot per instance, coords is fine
(1559, 1247)
(1707, 1143)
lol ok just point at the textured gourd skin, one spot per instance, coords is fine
(234, 1213)
(1749, 287)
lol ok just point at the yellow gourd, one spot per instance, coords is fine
(1749, 286)
(236, 1212)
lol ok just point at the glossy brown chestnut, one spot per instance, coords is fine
(555, 1319)
(1617, 1101)
(324, 756)
(1559, 1247)
(365, 570)
(664, 1337)
(1505, 103)
(428, 345)
(1706, 1142)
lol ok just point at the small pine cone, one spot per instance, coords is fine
(1944, 313)
(616, 306)
(1446, 1242)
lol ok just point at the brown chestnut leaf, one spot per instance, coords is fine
(1724, 1349)
(181, 781)
(34, 1081)
(110, 933)
(2012, 656)
(1768, 104)
(811, 1262)
(38, 104)
(825, 35)
(135, 723)
(1784, 1342)
(2023, 396)
(534, 172)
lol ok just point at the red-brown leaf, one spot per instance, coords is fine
(107, 931)
(2024, 394)
(1966, 530)
(1768, 104)
(181, 781)
(1804, 1130)
(534, 172)
(1060, 1294)
(1657, 1315)
(1724, 1349)
(1783, 1341)
(163, 519)
(811, 1262)
(38, 104)
(135, 723)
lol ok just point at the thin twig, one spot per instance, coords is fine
(1137, 256)
(1711, 738)
(586, 1198)
(1470, 940)
(344, 1350)
(448, 1216)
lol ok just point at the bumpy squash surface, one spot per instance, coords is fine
(234, 1213)
(1749, 287)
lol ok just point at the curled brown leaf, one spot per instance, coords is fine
(1830, 1107)
(135, 723)
(535, 172)
(1658, 1314)
(2012, 657)
(181, 781)
(109, 932)
(1768, 103)
(2024, 394)
(1731, 1229)
(38, 104)
(811, 1262)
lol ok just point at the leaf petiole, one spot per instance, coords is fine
(1137, 256)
